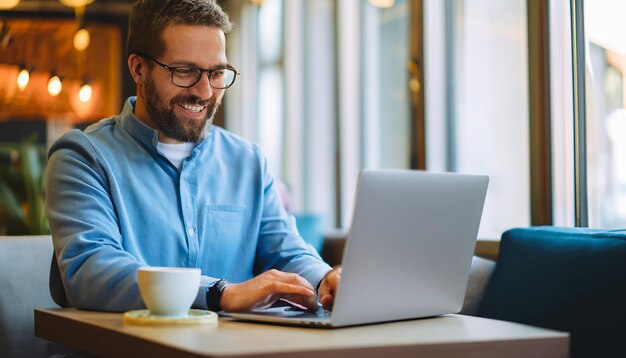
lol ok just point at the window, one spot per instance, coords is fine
(374, 109)
(604, 68)
(477, 101)
(324, 92)
(285, 98)
(606, 113)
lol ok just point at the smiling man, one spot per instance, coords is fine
(160, 185)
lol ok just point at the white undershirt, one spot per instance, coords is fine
(176, 153)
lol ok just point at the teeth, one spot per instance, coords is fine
(191, 107)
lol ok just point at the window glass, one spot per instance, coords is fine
(271, 116)
(386, 140)
(375, 117)
(316, 149)
(270, 31)
(484, 124)
(324, 98)
(270, 94)
(562, 114)
(606, 115)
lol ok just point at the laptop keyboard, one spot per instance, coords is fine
(320, 313)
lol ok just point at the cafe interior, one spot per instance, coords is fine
(529, 93)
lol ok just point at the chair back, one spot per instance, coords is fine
(567, 279)
(24, 272)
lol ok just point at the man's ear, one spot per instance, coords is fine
(137, 68)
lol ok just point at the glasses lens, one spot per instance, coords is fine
(222, 78)
(186, 76)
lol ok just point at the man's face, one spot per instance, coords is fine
(185, 114)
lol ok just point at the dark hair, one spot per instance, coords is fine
(149, 18)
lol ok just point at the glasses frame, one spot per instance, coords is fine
(209, 72)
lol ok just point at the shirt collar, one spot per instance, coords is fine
(136, 128)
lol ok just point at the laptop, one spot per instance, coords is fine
(408, 252)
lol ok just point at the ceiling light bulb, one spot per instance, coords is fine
(22, 79)
(76, 3)
(85, 93)
(81, 39)
(8, 4)
(383, 4)
(54, 85)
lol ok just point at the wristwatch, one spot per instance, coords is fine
(214, 295)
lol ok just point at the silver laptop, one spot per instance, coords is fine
(408, 252)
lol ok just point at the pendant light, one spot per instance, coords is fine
(23, 78)
(54, 85)
(81, 39)
(84, 94)
(8, 4)
(75, 3)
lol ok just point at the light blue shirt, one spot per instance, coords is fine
(115, 203)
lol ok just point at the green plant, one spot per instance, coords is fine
(22, 183)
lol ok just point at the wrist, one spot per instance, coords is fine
(226, 299)
(319, 284)
(329, 281)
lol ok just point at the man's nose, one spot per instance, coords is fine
(202, 88)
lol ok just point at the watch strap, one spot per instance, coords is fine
(214, 295)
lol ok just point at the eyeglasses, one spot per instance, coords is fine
(187, 76)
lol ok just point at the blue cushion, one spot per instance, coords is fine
(567, 279)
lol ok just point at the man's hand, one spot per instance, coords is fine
(328, 287)
(267, 288)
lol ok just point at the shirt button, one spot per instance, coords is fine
(190, 231)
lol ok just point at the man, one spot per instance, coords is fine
(159, 185)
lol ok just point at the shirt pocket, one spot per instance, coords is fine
(226, 224)
(225, 249)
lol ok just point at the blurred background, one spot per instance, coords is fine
(329, 87)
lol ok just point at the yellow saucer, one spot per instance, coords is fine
(143, 317)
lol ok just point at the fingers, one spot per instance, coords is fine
(302, 295)
(301, 302)
(328, 287)
(265, 289)
(330, 282)
(291, 278)
(327, 300)
(333, 280)
(294, 288)
(283, 288)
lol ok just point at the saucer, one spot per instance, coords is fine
(143, 317)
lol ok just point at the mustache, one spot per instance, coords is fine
(192, 100)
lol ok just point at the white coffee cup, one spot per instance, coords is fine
(168, 291)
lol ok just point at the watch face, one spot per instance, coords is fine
(221, 285)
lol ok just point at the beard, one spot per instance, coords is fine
(172, 126)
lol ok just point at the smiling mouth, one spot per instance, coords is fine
(194, 108)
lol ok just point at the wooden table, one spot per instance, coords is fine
(104, 334)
